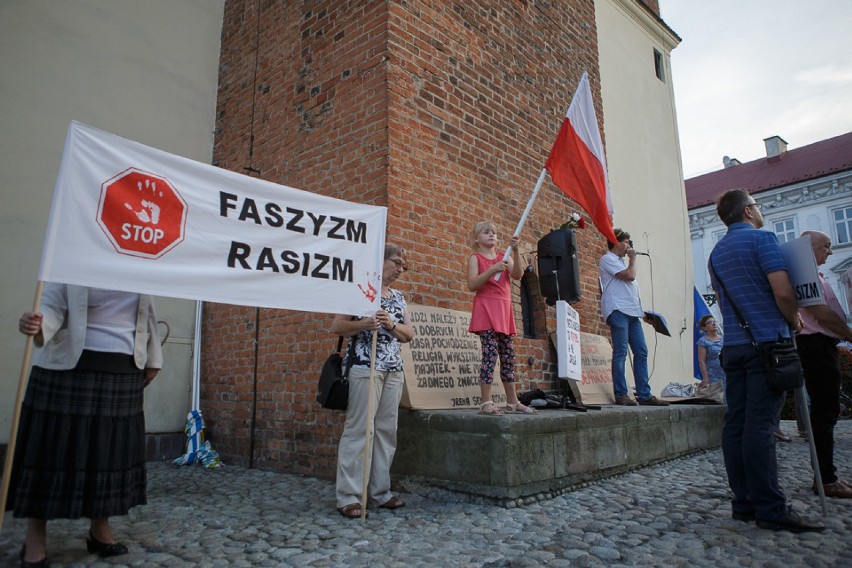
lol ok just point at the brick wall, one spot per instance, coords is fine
(440, 111)
(652, 5)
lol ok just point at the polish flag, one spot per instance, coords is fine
(577, 164)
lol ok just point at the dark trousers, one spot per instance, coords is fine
(748, 441)
(821, 364)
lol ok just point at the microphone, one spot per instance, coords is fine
(642, 253)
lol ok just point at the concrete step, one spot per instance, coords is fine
(514, 458)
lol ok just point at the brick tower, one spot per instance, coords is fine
(444, 112)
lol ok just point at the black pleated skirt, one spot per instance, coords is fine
(80, 449)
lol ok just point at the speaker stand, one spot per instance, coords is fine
(556, 281)
(568, 402)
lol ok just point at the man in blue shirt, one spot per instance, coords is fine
(750, 265)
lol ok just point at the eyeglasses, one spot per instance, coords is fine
(399, 263)
(755, 205)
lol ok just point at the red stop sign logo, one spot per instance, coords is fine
(142, 214)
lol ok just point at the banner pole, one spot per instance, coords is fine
(368, 435)
(524, 217)
(16, 417)
(802, 403)
(196, 357)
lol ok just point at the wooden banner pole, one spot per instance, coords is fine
(368, 435)
(16, 417)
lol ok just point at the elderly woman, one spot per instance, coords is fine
(80, 450)
(394, 328)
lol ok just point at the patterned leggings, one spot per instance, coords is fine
(492, 344)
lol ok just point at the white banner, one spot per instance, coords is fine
(802, 270)
(129, 217)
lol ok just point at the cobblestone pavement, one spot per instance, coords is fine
(673, 514)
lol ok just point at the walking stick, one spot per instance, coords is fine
(368, 435)
(802, 401)
(16, 416)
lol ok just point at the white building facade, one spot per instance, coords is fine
(818, 204)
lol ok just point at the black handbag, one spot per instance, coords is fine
(783, 366)
(333, 386)
(780, 359)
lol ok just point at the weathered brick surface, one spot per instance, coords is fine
(442, 111)
(653, 5)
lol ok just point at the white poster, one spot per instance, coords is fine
(130, 217)
(802, 269)
(568, 358)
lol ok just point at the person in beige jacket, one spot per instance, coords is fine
(80, 449)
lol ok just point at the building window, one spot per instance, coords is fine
(785, 230)
(843, 225)
(659, 66)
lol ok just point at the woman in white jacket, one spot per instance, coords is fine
(80, 450)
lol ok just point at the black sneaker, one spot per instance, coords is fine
(792, 522)
(653, 401)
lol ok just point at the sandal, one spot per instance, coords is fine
(393, 503)
(493, 410)
(351, 511)
(520, 408)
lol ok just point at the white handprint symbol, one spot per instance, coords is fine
(150, 212)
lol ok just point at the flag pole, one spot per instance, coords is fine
(368, 435)
(523, 220)
(16, 417)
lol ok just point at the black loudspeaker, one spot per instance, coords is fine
(558, 267)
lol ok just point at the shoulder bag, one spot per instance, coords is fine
(780, 358)
(333, 387)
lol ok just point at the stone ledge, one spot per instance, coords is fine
(512, 459)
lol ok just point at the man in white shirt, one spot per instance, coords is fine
(621, 308)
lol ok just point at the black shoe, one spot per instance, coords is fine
(792, 522)
(43, 563)
(745, 517)
(103, 549)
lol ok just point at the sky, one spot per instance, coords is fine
(746, 70)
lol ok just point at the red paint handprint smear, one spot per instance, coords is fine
(371, 291)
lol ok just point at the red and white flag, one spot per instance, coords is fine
(577, 163)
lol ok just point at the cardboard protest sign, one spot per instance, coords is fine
(596, 384)
(442, 362)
